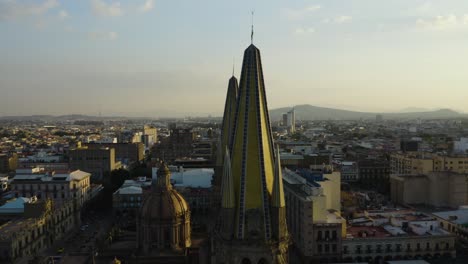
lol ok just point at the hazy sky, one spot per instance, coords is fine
(174, 57)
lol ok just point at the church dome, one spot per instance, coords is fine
(164, 203)
(163, 206)
(164, 219)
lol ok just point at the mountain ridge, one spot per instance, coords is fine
(310, 112)
(304, 112)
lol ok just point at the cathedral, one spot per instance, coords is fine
(251, 226)
(252, 223)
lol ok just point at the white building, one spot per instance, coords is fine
(461, 146)
(41, 156)
(194, 178)
(455, 222)
(59, 187)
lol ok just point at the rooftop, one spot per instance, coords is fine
(14, 206)
(13, 226)
(459, 217)
(51, 176)
(129, 190)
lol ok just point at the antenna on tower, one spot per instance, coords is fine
(233, 60)
(251, 35)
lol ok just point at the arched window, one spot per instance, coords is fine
(246, 261)
(262, 261)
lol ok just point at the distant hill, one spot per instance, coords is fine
(310, 112)
(303, 112)
(73, 117)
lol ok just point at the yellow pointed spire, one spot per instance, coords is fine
(227, 188)
(229, 114)
(252, 152)
(219, 152)
(277, 198)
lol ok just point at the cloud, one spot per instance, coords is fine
(302, 31)
(343, 19)
(338, 20)
(63, 14)
(147, 6)
(111, 35)
(443, 23)
(13, 9)
(102, 8)
(298, 14)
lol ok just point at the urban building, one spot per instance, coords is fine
(35, 229)
(252, 222)
(97, 161)
(126, 153)
(455, 222)
(291, 121)
(191, 178)
(8, 162)
(285, 119)
(42, 157)
(460, 146)
(409, 145)
(127, 198)
(204, 149)
(422, 163)
(438, 189)
(179, 144)
(150, 135)
(59, 187)
(397, 235)
(378, 118)
(349, 171)
(375, 174)
(313, 213)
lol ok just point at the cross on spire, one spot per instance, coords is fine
(252, 33)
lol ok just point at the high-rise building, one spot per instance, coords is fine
(285, 120)
(252, 226)
(150, 136)
(291, 121)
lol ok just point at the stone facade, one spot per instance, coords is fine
(412, 247)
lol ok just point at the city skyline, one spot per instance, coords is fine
(149, 58)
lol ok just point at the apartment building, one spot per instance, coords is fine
(57, 186)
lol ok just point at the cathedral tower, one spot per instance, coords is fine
(253, 228)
